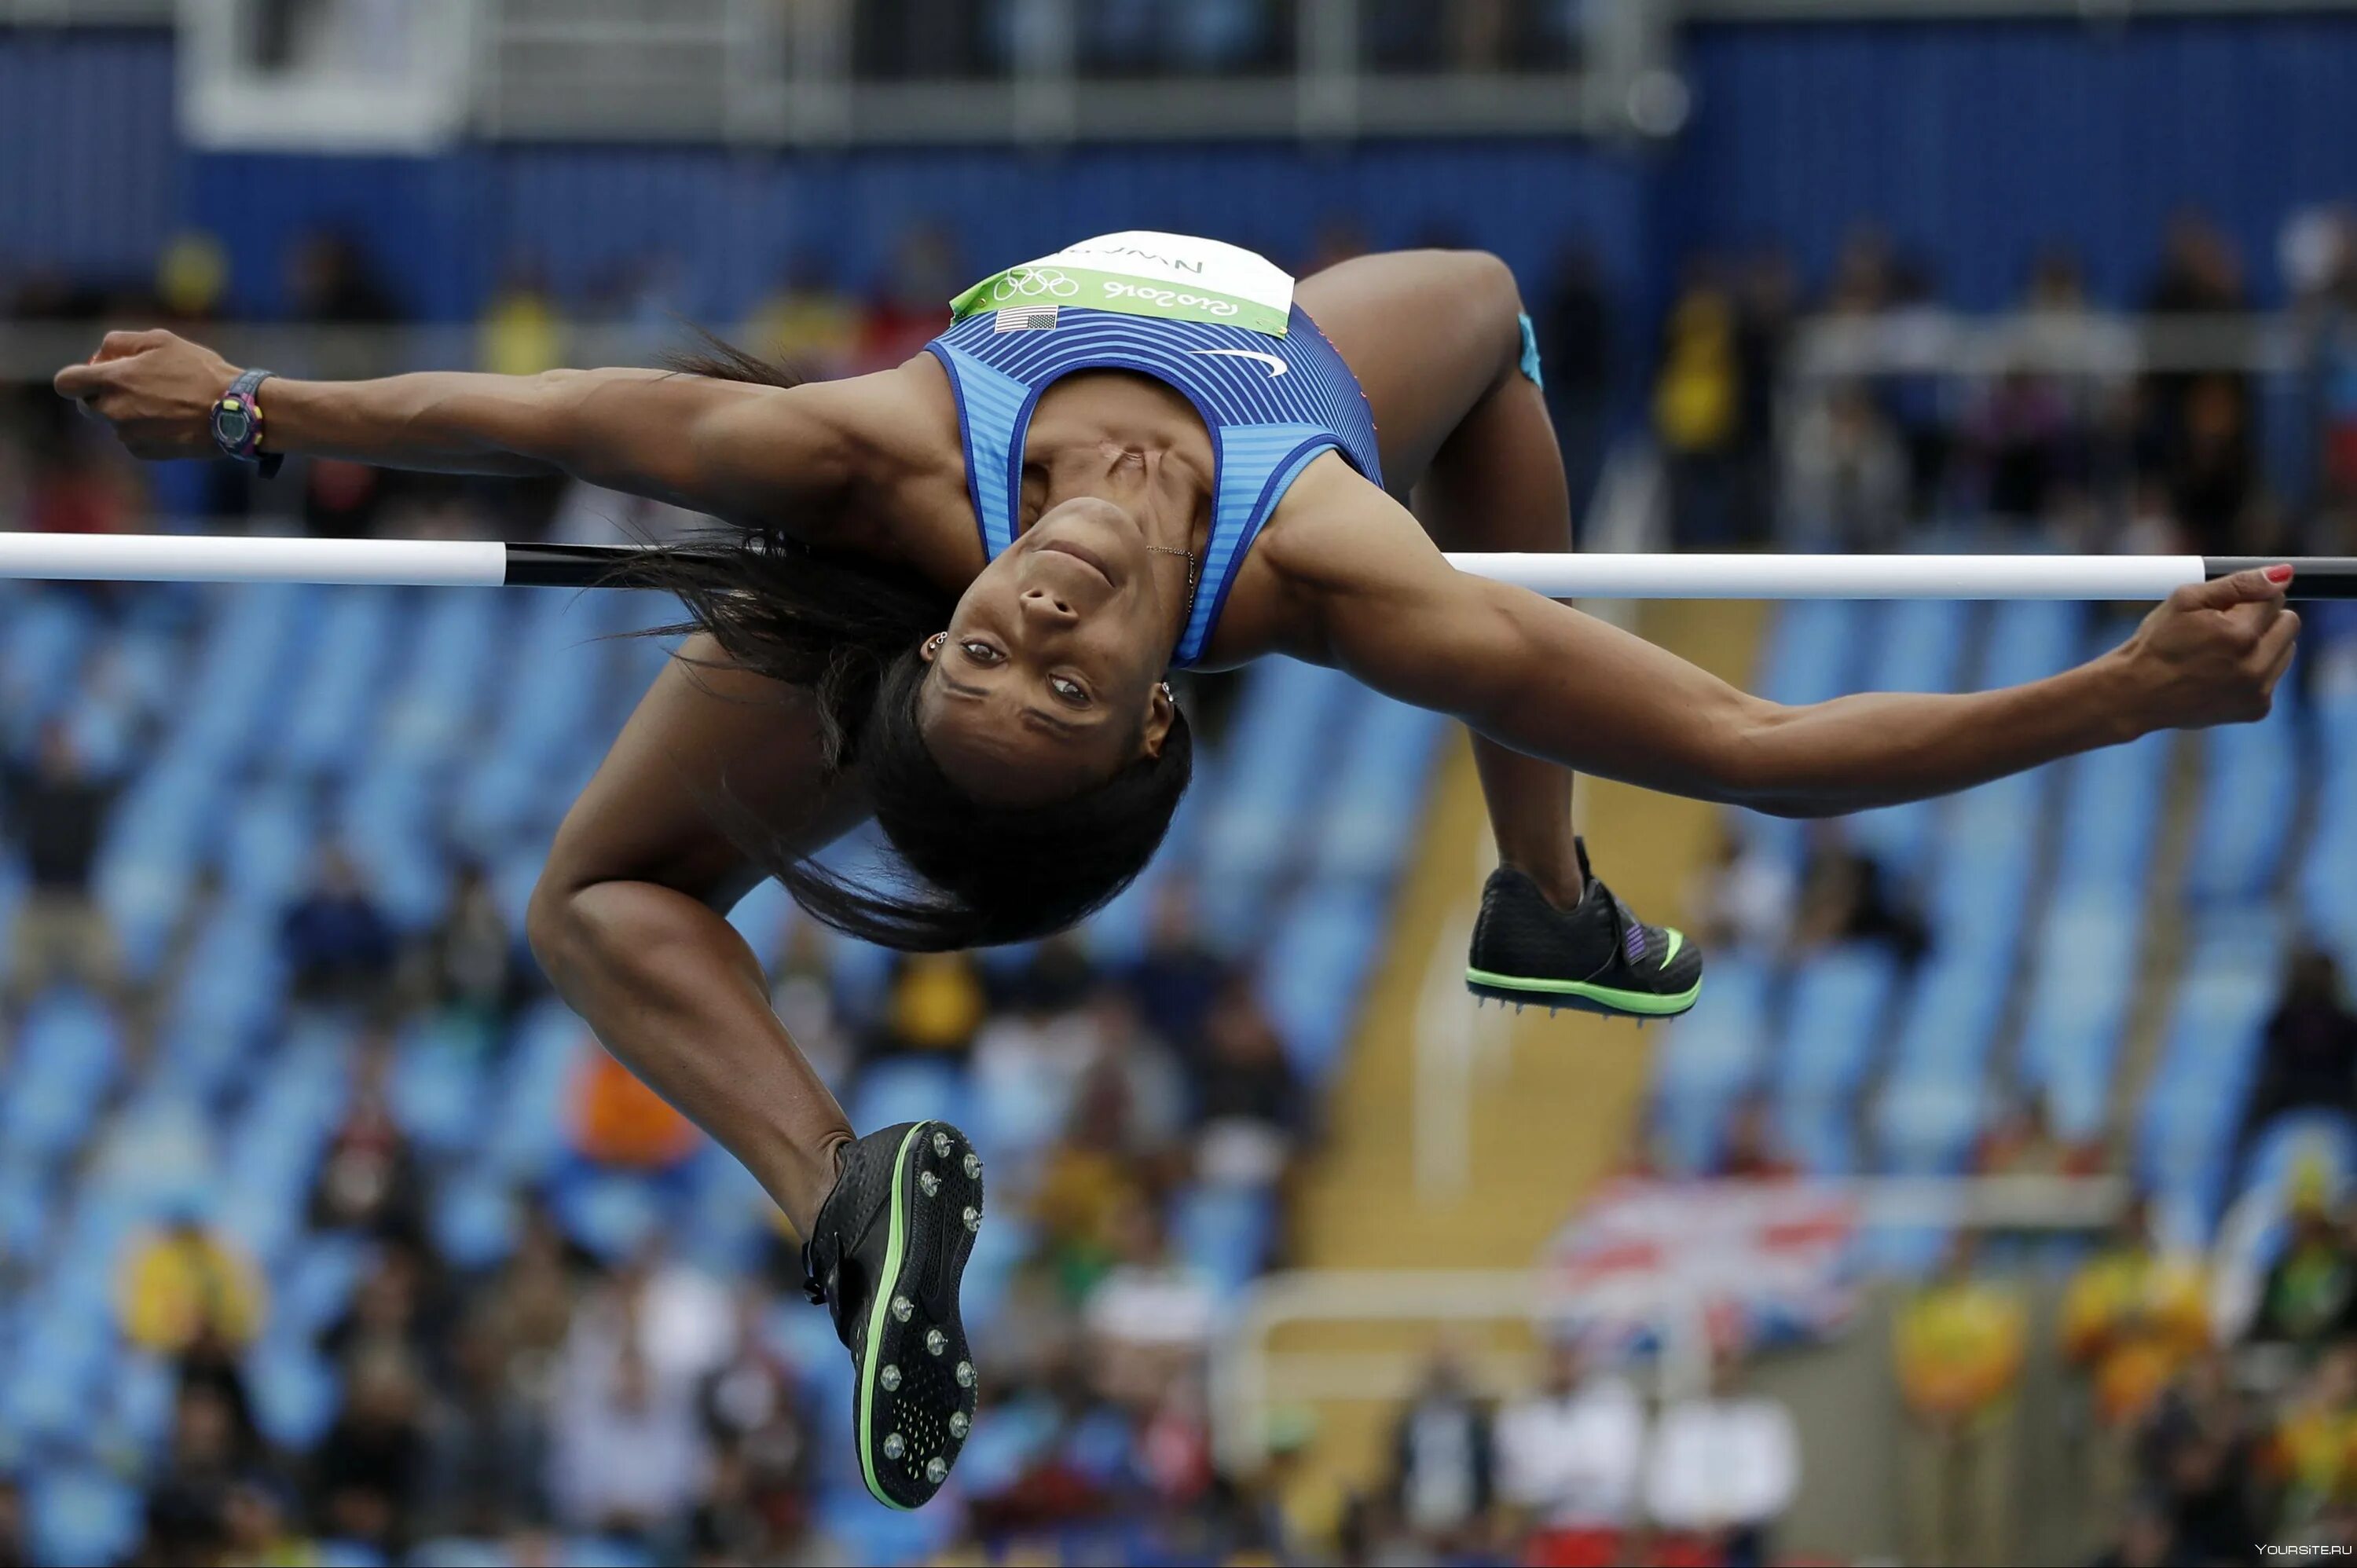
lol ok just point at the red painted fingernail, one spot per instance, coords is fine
(2279, 573)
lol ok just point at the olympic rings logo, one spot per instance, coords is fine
(1033, 282)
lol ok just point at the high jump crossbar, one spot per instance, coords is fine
(489, 564)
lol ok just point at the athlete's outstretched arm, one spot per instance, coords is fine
(628, 919)
(1545, 678)
(711, 446)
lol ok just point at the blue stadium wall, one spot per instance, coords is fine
(1974, 143)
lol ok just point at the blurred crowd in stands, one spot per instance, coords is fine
(2048, 429)
(632, 1395)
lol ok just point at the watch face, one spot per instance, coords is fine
(231, 423)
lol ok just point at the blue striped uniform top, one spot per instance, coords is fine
(1265, 425)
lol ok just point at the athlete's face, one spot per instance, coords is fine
(1050, 679)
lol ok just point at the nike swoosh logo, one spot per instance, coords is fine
(1677, 940)
(1276, 367)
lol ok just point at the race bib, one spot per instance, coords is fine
(1140, 272)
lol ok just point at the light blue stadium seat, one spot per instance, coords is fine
(909, 1088)
(67, 1056)
(437, 1090)
(2250, 793)
(2186, 1126)
(316, 1284)
(1381, 774)
(80, 1513)
(1833, 1023)
(1312, 979)
(1713, 1056)
(2083, 978)
(1918, 645)
(1278, 747)
(436, 704)
(2292, 1144)
(2111, 805)
(611, 1213)
(334, 707)
(1225, 1232)
(473, 1220)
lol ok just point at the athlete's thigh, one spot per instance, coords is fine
(1427, 333)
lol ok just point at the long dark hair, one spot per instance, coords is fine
(848, 629)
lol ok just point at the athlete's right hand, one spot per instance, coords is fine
(156, 388)
(2211, 653)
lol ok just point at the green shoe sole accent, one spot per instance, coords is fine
(1604, 999)
(883, 1304)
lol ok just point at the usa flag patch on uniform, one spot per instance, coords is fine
(1025, 318)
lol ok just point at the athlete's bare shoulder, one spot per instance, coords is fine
(1326, 540)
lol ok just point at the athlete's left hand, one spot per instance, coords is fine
(156, 388)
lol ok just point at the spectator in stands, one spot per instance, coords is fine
(617, 1121)
(1846, 896)
(340, 949)
(2312, 1452)
(809, 321)
(2309, 1055)
(529, 1302)
(521, 332)
(2025, 446)
(1698, 408)
(189, 1493)
(15, 1551)
(370, 1471)
(1574, 334)
(487, 1452)
(628, 1454)
(1250, 1112)
(753, 1417)
(1571, 1455)
(187, 1285)
(2198, 1449)
(674, 1313)
(2132, 1316)
(57, 811)
(331, 282)
(258, 1527)
(934, 1005)
(2310, 1294)
(2200, 436)
(368, 1180)
(1959, 1344)
(1752, 1151)
(1743, 899)
(913, 303)
(1443, 1460)
(1150, 1315)
(1179, 975)
(467, 961)
(401, 1313)
(2147, 1539)
(1845, 476)
(1722, 1469)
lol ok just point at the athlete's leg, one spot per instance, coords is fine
(1436, 338)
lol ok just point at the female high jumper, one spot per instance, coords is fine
(947, 599)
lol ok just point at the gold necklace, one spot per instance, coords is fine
(1190, 557)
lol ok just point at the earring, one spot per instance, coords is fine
(1167, 694)
(934, 643)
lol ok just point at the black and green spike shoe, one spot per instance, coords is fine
(1594, 956)
(885, 1257)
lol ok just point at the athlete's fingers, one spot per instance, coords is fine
(122, 345)
(2274, 650)
(2253, 587)
(82, 381)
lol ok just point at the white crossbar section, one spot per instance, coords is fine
(201, 558)
(2140, 577)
